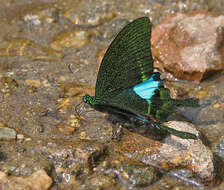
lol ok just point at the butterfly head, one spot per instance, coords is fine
(89, 99)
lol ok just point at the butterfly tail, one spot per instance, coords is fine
(181, 134)
(189, 102)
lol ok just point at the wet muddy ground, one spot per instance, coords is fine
(50, 52)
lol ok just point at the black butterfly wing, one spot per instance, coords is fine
(128, 60)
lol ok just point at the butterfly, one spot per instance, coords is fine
(127, 84)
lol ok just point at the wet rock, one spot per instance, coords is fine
(73, 89)
(214, 130)
(101, 182)
(38, 17)
(98, 13)
(70, 93)
(66, 129)
(218, 147)
(7, 85)
(30, 90)
(172, 153)
(136, 175)
(204, 93)
(38, 180)
(29, 162)
(67, 39)
(3, 156)
(73, 160)
(130, 173)
(34, 126)
(33, 82)
(114, 27)
(3, 124)
(20, 137)
(7, 134)
(189, 46)
(69, 126)
(89, 153)
(8, 82)
(74, 152)
(29, 49)
(96, 127)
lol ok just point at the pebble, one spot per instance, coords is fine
(33, 82)
(29, 49)
(20, 136)
(67, 39)
(7, 134)
(66, 129)
(36, 181)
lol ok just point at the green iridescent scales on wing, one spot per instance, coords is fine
(126, 80)
(130, 52)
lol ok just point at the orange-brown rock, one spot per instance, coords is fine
(173, 153)
(38, 180)
(189, 46)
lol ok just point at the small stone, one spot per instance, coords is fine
(7, 134)
(73, 89)
(41, 18)
(77, 14)
(29, 49)
(30, 90)
(137, 175)
(61, 79)
(33, 82)
(3, 124)
(88, 152)
(101, 182)
(67, 39)
(75, 121)
(204, 93)
(38, 180)
(9, 82)
(3, 178)
(71, 92)
(66, 129)
(83, 135)
(20, 136)
(32, 19)
(64, 103)
(216, 105)
(46, 83)
(3, 156)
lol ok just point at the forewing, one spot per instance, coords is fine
(128, 60)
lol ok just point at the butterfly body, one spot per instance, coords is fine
(126, 81)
